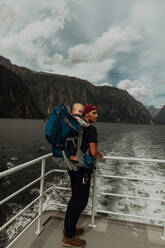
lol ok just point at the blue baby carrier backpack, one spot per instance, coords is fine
(61, 127)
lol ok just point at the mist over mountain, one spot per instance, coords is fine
(153, 111)
(160, 117)
(46, 90)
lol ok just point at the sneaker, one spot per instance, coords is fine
(73, 242)
(78, 231)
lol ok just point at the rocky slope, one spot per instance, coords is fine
(50, 89)
(15, 98)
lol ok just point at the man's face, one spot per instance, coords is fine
(91, 116)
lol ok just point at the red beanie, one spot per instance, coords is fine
(88, 108)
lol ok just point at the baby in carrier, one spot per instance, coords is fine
(77, 112)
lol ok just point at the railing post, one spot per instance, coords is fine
(39, 229)
(163, 236)
(93, 211)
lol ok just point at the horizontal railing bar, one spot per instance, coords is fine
(12, 242)
(17, 215)
(59, 187)
(24, 188)
(27, 164)
(56, 187)
(28, 185)
(131, 196)
(54, 170)
(19, 191)
(135, 159)
(49, 205)
(53, 187)
(87, 209)
(133, 178)
(109, 212)
(57, 170)
(59, 204)
(53, 203)
(23, 210)
(22, 166)
(56, 204)
(48, 189)
(128, 215)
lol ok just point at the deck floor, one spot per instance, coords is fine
(108, 233)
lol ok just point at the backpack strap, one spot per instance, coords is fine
(70, 124)
(60, 124)
(70, 165)
(73, 140)
(79, 141)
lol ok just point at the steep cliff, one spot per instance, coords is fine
(15, 98)
(50, 89)
(160, 118)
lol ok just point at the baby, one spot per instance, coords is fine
(77, 112)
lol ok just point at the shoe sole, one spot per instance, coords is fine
(67, 245)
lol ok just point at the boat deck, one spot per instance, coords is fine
(108, 233)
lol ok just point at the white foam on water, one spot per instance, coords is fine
(131, 144)
(135, 145)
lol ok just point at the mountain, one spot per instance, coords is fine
(153, 111)
(49, 89)
(160, 117)
(15, 98)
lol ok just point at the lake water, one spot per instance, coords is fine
(24, 140)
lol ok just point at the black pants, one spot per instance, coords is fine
(80, 185)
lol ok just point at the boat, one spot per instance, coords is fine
(101, 227)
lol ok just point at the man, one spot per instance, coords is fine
(80, 182)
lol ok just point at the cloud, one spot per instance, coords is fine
(91, 71)
(92, 61)
(105, 84)
(147, 14)
(106, 42)
(139, 90)
(113, 41)
(7, 19)
(28, 31)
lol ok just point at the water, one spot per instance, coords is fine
(23, 140)
(142, 141)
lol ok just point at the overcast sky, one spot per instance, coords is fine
(120, 43)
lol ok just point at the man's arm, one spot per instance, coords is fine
(94, 150)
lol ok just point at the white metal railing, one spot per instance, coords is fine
(129, 196)
(94, 191)
(41, 179)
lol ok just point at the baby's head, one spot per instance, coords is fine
(78, 109)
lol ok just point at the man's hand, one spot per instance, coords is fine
(99, 155)
(94, 151)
